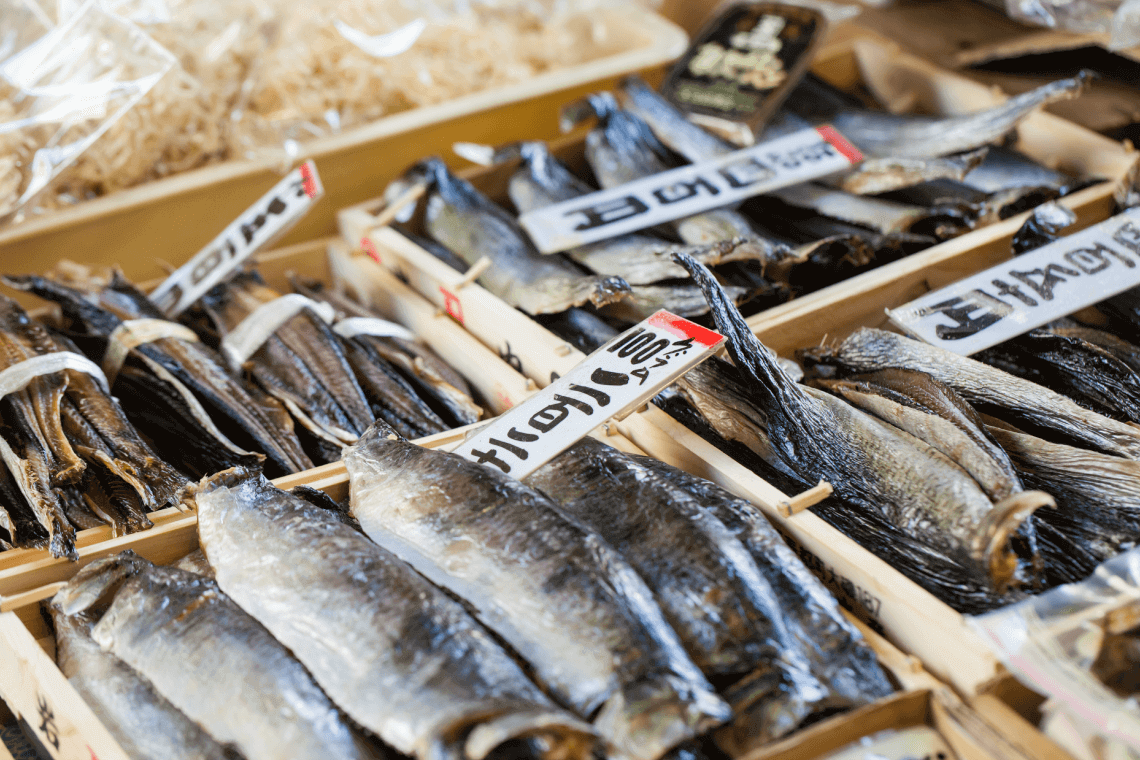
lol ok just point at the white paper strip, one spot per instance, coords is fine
(17, 377)
(381, 328)
(135, 332)
(251, 334)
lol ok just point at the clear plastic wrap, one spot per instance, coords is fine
(61, 92)
(1063, 644)
(1120, 19)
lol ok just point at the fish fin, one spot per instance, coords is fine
(999, 527)
(96, 580)
(564, 737)
(231, 478)
(645, 719)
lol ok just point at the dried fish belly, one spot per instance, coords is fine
(298, 569)
(558, 594)
(872, 466)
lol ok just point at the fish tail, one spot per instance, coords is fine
(998, 529)
(94, 581)
(559, 735)
(769, 703)
(646, 719)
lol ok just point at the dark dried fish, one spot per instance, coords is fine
(885, 175)
(1042, 227)
(558, 594)
(585, 331)
(212, 661)
(299, 570)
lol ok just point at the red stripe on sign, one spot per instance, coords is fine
(683, 328)
(451, 303)
(368, 247)
(307, 179)
(849, 151)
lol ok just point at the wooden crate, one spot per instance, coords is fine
(497, 383)
(173, 218)
(36, 691)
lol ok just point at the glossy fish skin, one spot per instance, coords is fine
(469, 224)
(885, 175)
(707, 585)
(212, 661)
(669, 123)
(682, 299)
(1123, 350)
(585, 331)
(302, 364)
(397, 654)
(389, 394)
(836, 650)
(1007, 169)
(965, 441)
(871, 465)
(257, 421)
(141, 720)
(1042, 227)
(984, 387)
(558, 594)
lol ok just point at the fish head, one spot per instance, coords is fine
(97, 581)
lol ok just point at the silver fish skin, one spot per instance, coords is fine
(212, 661)
(670, 124)
(886, 174)
(709, 588)
(881, 215)
(141, 720)
(838, 654)
(867, 350)
(884, 135)
(557, 593)
(398, 655)
(639, 259)
(682, 299)
(459, 217)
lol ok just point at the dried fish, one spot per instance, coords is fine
(558, 594)
(988, 389)
(670, 124)
(681, 298)
(585, 331)
(298, 569)
(884, 175)
(707, 585)
(141, 720)
(1042, 227)
(1008, 169)
(190, 376)
(881, 215)
(871, 465)
(459, 217)
(211, 660)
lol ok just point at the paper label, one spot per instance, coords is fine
(17, 377)
(1030, 290)
(135, 332)
(612, 381)
(272, 216)
(916, 743)
(675, 194)
(381, 328)
(252, 332)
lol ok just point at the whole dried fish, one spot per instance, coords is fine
(710, 590)
(299, 570)
(211, 660)
(871, 465)
(986, 388)
(190, 375)
(683, 299)
(459, 217)
(1008, 169)
(884, 175)
(141, 720)
(303, 365)
(670, 124)
(881, 215)
(558, 594)
(585, 331)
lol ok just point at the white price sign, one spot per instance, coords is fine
(1030, 290)
(272, 216)
(687, 190)
(611, 382)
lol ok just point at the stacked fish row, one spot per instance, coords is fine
(77, 458)
(609, 603)
(932, 179)
(941, 463)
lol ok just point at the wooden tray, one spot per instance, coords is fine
(175, 217)
(497, 383)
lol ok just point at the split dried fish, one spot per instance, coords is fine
(142, 722)
(558, 594)
(712, 593)
(988, 389)
(878, 214)
(871, 465)
(459, 217)
(398, 655)
(884, 175)
(212, 661)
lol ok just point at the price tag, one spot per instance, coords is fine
(1028, 291)
(272, 216)
(917, 743)
(687, 190)
(611, 382)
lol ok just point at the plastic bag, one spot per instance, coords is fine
(1055, 644)
(1120, 19)
(61, 92)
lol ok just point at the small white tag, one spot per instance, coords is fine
(252, 332)
(272, 216)
(612, 381)
(17, 377)
(381, 328)
(1030, 290)
(135, 332)
(916, 743)
(687, 190)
